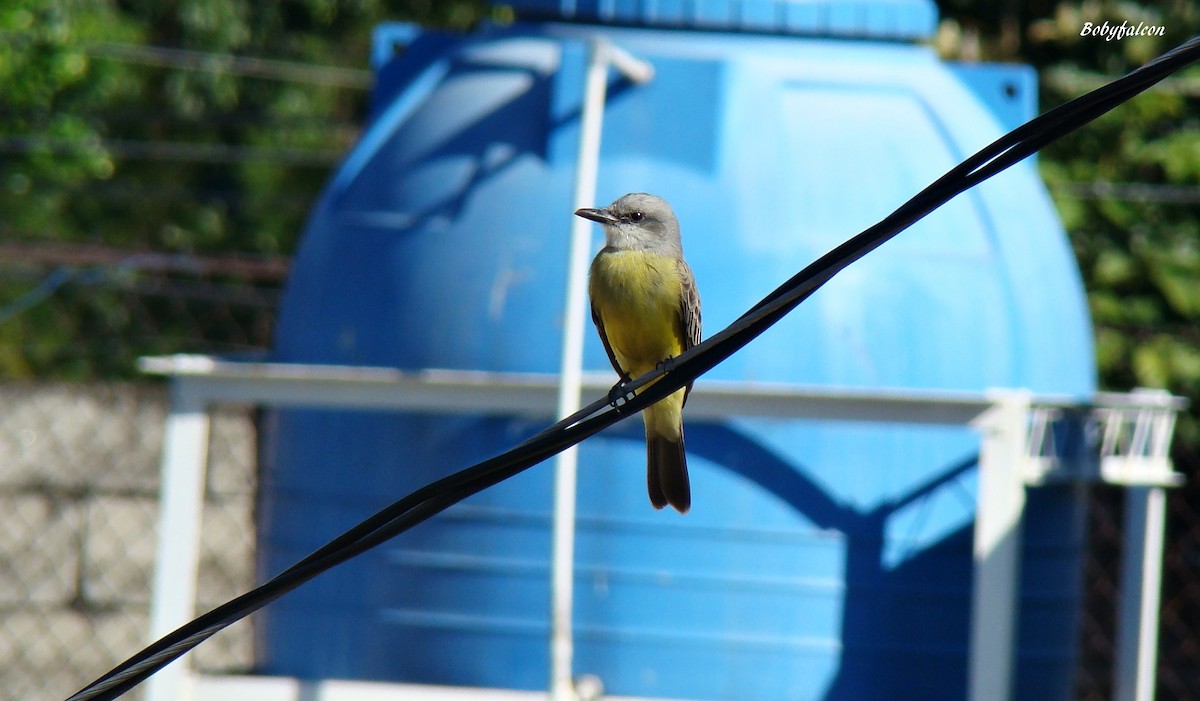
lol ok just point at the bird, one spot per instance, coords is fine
(646, 308)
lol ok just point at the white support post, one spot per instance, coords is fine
(1140, 592)
(997, 547)
(601, 56)
(184, 458)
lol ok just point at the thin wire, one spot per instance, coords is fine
(40, 117)
(434, 498)
(249, 66)
(1159, 193)
(214, 62)
(179, 151)
(40, 293)
(46, 251)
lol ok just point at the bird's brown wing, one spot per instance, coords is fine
(689, 312)
(612, 358)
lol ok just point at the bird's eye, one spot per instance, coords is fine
(636, 216)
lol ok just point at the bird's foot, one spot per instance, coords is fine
(619, 396)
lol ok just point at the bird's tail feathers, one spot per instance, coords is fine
(666, 472)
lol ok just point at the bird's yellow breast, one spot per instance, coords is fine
(638, 296)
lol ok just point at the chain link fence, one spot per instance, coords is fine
(79, 498)
(1178, 646)
(1094, 681)
(86, 311)
(1179, 670)
(79, 480)
(79, 459)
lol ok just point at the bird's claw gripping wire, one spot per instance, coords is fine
(619, 396)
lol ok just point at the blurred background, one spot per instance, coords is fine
(158, 160)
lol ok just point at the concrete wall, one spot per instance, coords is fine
(78, 515)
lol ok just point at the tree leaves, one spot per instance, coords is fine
(202, 127)
(1127, 187)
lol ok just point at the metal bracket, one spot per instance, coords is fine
(1121, 440)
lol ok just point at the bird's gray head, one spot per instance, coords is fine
(638, 221)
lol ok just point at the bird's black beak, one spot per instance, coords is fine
(602, 216)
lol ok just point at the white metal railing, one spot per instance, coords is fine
(1016, 451)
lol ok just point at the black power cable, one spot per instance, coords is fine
(436, 497)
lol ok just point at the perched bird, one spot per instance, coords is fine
(646, 308)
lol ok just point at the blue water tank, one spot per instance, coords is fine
(820, 560)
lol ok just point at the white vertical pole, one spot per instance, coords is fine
(571, 366)
(997, 546)
(1140, 592)
(570, 379)
(184, 457)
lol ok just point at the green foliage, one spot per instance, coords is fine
(84, 105)
(1127, 186)
(139, 125)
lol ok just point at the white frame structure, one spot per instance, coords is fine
(1016, 451)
